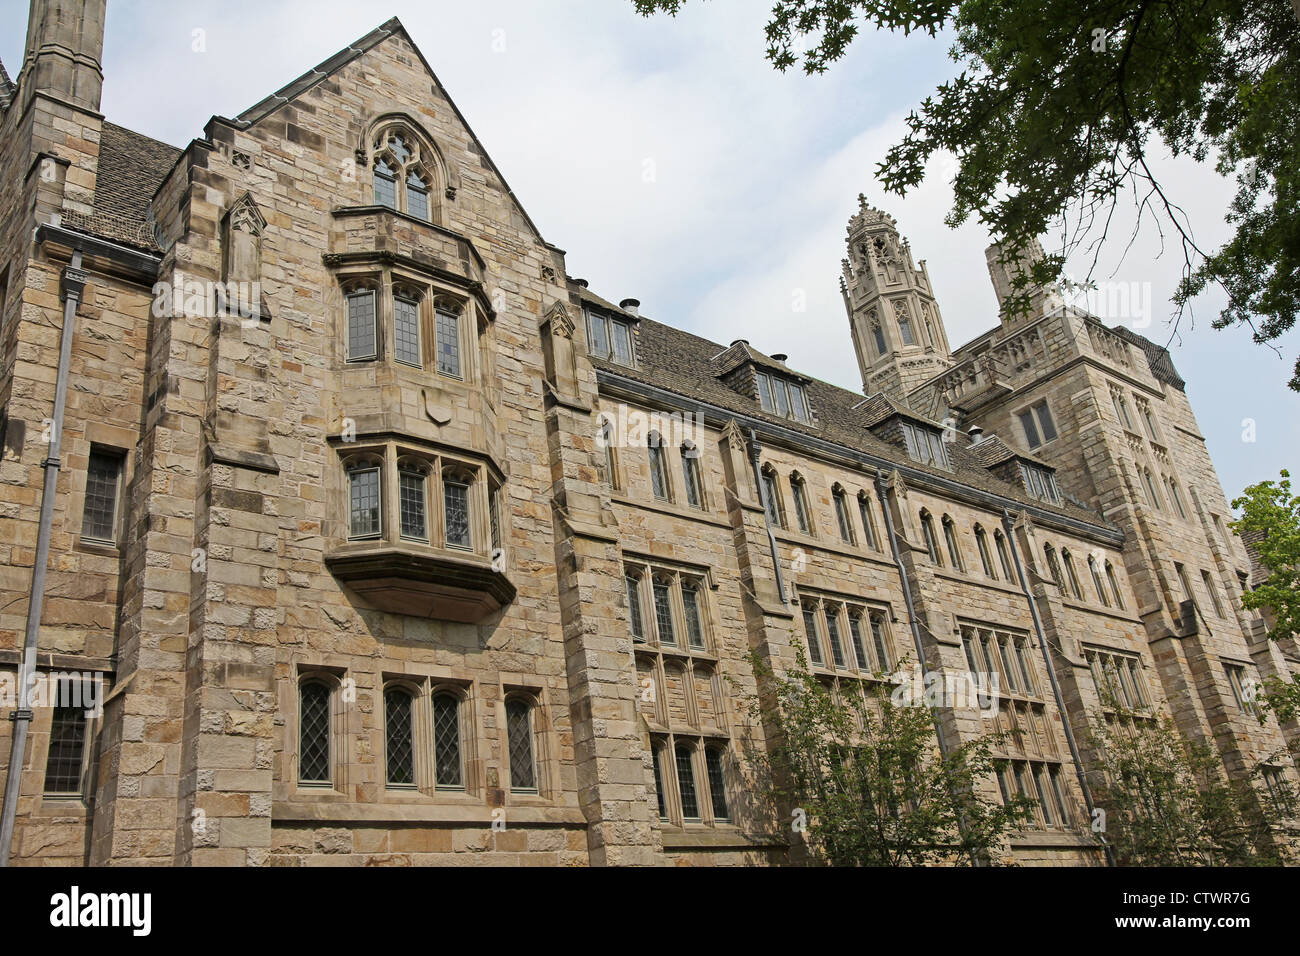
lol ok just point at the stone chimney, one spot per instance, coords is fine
(65, 45)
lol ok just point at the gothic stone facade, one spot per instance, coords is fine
(365, 583)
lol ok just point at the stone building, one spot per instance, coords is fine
(376, 538)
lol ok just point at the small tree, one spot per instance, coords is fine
(1166, 802)
(865, 782)
(1270, 518)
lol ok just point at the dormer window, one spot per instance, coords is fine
(776, 396)
(925, 445)
(1040, 483)
(610, 338)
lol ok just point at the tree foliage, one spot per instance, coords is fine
(1055, 110)
(861, 778)
(1270, 521)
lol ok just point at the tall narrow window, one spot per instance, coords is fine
(314, 698)
(494, 517)
(658, 468)
(1210, 589)
(385, 184)
(878, 638)
(661, 803)
(406, 331)
(765, 401)
(1070, 576)
(798, 405)
(411, 485)
(1097, 581)
(1238, 681)
(364, 502)
(842, 517)
(99, 512)
(1038, 425)
(878, 334)
(717, 782)
(361, 326)
(905, 329)
(67, 751)
(1004, 556)
(1177, 499)
(810, 630)
(448, 328)
(598, 335)
(986, 559)
(855, 638)
(868, 523)
(446, 741)
(1022, 664)
(417, 196)
(1186, 584)
(1153, 496)
(633, 586)
(931, 544)
(691, 605)
(691, 475)
(664, 612)
(686, 782)
(621, 336)
(833, 635)
(772, 499)
(399, 747)
(950, 537)
(1054, 566)
(519, 730)
(607, 435)
(1114, 586)
(1044, 797)
(799, 492)
(455, 495)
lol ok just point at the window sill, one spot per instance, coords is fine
(422, 581)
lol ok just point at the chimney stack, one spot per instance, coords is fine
(65, 47)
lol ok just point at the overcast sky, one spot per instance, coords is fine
(674, 165)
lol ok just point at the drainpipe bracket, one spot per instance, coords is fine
(17, 715)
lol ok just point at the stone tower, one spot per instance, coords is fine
(1004, 271)
(897, 329)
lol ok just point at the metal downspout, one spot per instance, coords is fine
(1008, 525)
(71, 287)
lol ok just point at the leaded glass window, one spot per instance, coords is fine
(314, 732)
(519, 730)
(842, 517)
(385, 184)
(800, 494)
(833, 635)
(868, 524)
(661, 805)
(855, 638)
(99, 514)
(798, 407)
(406, 331)
(883, 660)
(905, 329)
(810, 629)
(599, 337)
(771, 501)
(658, 470)
(364, 506)
(1004, 556)
(878, 334)
(455, 496)
(1114, 586)
(66, 752)
(717, 782)
(986, 559)
(361, 326)
(448, 325)
(411, 485)
(691, 475)
(765, 394)
(931, 545)
(446, 740)
(686, 783)
(417, 196)
(399, 749)
(694, 624)
(633, 586)
(664, 613)
(622, 340)
(950, 536)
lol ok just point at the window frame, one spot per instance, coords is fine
(118, 459)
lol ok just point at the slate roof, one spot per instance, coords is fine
(131, 168)
(1158, 357)
(689, 365)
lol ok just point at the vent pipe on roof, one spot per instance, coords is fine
(779, 357)
(581, 282)
(976, 434)
(630, 306)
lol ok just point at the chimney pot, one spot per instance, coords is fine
(779, 357)
(631, 306)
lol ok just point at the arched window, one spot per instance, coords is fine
(1004, 556)
(1054, 566)
(868, 522)
(810, 631)
(1114, 586)
(365, 498)
(1070, 575)
(950, 536)
(315, 763)
(1177, 499)
(1153, 497)
(686, 782)
(772, 497)
(658, 467)
(691, 476)
(693, 613)
(662, 589)
(413, 495)
(842, 516)
(403, 175)
(880, 640)
(457, 522)
(905, 326)
(399, 737)
(799, 493)
(1097, 581)
(833, 634)
(986, 559)
(931, 542)
(449, 770)
(713, 762)
(521, 745)
(632, 584)
(878, 335)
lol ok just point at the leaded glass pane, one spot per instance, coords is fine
(694, 626)
(855, 637)
(882, 646)
(622, 343)
(1045, 423)
(599, 338)
(950, 536)
(417, 196)
(868, 526)
(1031, 430)
(842, 516)
(660, 804)
(664, 613)
(810, 628)
(658, 477)
(385, 185)
(717, 782)
(797, 404)
(446, 740)
(67, 747)
(99, 516)
(634, 607)
(494, 516)
(399, 749)
(779, 398)
(361, 326)
(414, 525)
(879, 335)
(765, 393)
(1008, 670)
(455, 496)
(686, 783)
(833, 635)
(314, 733)
(398, 145)
(519, 729)
(905, 327)
(769, 487)
(406, 332)
(691, 476)
(801, 506)
(448, 343)
(365, 522)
